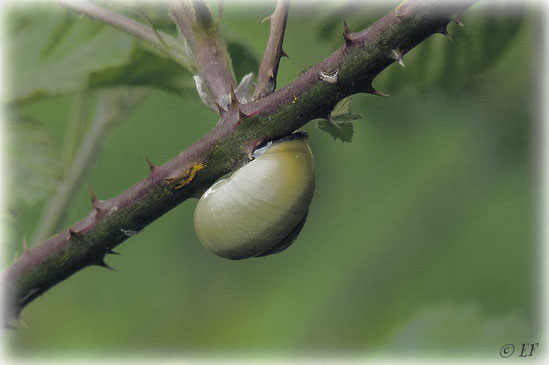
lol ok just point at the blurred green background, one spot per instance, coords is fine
(422, 238)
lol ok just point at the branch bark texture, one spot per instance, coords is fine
(266, 78)
(201, 31)
(242, 127)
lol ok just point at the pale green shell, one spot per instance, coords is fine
(261, 208)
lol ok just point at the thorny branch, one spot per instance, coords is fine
(266, 78)
(112, 106)
(349, 70)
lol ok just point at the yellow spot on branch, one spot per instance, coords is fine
(189, 175)
(295, 99)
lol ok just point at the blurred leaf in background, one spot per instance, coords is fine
(422, 235)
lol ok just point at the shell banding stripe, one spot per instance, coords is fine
(261, 207)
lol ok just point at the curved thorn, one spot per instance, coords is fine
(347, 33)
(102, 263)
(283, 54)
(220, 109)
(346, 27)
(234, 99)
(92, 195)
(111, 252)
(268, 18)
(149, 162)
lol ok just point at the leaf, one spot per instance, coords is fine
(342, 107)
(145, 69)
(342, 112)
(338, 124)
(34, 164)
(53, 52)
(342, 131)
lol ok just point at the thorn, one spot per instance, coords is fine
(22, 323)
(346, 27)
(373, 91)
(268, 18)
(397, 55)
(93, 197)
(102, 263)
(219, 108)
(271, 74)
(72, 232)
(234, 99)
(111, 252)
(149, 162)
(283, 54)
(347, 33)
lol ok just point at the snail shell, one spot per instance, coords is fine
(261, 208)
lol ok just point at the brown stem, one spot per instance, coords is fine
(266, 78)
(201, 32)
(363, 56)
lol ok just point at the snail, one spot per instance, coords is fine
(261, 208)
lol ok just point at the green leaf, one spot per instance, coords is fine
(52, 52)
(34, 164)
(342, 107)
(342, 131)
(342, 112)
(338, 124)
(145, 69)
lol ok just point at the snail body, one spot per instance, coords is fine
(260, 209)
